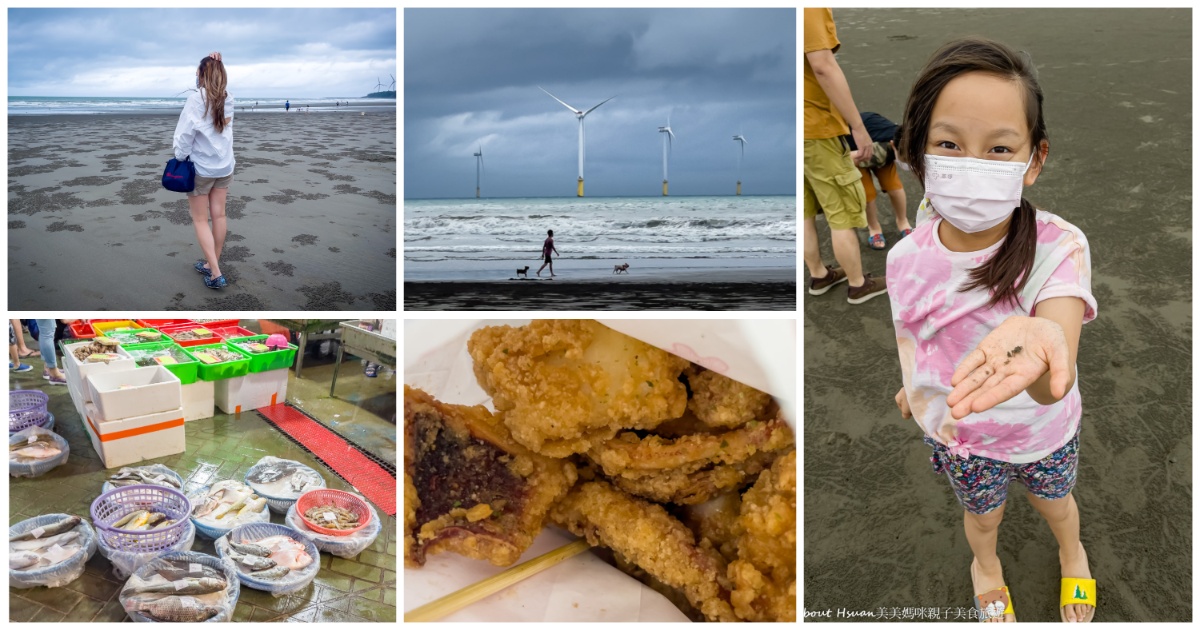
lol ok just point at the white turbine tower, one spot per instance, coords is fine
(580, 115)
(478, 168)
(741, 140)
(668, 141)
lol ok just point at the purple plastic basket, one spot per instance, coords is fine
(26, 408)
(113, 505)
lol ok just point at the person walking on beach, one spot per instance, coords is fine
(832, 184)
(287, 106)
(205, 134)
(547, 247)
(988, 296)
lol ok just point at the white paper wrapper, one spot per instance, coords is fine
(759, 353)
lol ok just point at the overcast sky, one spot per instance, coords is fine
(471, 78)
(138, 52)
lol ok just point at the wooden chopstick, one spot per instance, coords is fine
(466, 596)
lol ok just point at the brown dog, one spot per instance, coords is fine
(621, 268)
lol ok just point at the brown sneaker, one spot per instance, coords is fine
(818, 286)
(870, 288)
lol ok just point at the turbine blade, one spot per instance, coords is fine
(598, 105)
(573, 110)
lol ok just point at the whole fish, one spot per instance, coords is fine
(210, 503)
(40, 450)
(229, 509)
(253, 506)
(155, 518)
(267, 474)
(254, 562)
(130, 518)
(43, 543)
(22, 559)
(185, 586)
(134, 476)
(250, 548)
(41, 438)
(271, 574)
(176, 609)
(178, 570)
(292, 558)
(57, 527)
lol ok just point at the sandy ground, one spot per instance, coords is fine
(880, 529)
(725, 290)
(312, 215)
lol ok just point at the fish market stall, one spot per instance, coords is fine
(215, 485)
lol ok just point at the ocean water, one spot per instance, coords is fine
(594, 233)
(42, 105)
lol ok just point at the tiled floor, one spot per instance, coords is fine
(362, 588)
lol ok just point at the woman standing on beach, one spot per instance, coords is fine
(205, 134)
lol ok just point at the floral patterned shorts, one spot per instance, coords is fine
(981, 484)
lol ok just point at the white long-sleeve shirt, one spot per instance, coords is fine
(195, 137)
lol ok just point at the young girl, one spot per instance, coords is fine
(205, 134)
(988, 297)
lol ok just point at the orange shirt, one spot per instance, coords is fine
(821, 118)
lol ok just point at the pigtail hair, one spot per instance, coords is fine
(1006, 272)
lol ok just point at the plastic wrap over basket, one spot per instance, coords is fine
(59, 574)
(126, 562)
(153, 469)
(213, 531)
(294, 581)
(230, 594)
(280, 504)
(340, 546)
(112, 506)
(37, 467)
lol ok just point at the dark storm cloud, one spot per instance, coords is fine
(471, 77)
(137, 52)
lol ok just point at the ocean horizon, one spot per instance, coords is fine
(90, 105)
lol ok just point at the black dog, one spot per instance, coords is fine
(523, 272)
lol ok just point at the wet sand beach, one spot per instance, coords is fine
(755, 290)
(880, 529)
(312, 214)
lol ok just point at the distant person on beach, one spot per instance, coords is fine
(205, 135)
(832, 184)
(547, 247)
(287, 106)
(988, 296)
(882, 164)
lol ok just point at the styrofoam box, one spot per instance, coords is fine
(133, 393)
(77, 371)
(132, 440)
(252, 391)
(198, 401)
(77, 398)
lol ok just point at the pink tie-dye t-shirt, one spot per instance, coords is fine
(937, 326)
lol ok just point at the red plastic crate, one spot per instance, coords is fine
(229, 332)
(222, 323)
(159, 323)
(82, 330)
(171, 330)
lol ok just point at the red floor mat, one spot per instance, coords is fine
(369, 478)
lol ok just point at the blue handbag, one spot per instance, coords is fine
(180, 176)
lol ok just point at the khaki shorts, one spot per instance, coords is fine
(204, 185)
(888, 176)
(833, 185)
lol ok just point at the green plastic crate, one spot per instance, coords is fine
(186, 371)
(218, 371)
(129, 338)
(264, 361)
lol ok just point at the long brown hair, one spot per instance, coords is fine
(1005, 273)
(212, 79)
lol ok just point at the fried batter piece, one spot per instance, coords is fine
(719, 401)
(693, 468)
(565, 385)
(715, 522)
(764, 575)
(646, 535)
(469, 487)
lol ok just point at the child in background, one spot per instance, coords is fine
(883, 166)
(988, 297)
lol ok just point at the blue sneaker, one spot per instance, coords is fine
(20, 368)
(215, 283)
(199, 266)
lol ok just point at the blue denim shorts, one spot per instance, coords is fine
(981, 484)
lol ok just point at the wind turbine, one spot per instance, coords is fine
(668, 141)
(478, 168)
(741, 140)
(378, 84)
(580, 115)
(392, 87)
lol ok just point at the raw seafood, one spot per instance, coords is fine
(764, 575)
(64, 524)
(271, 574)
(209, 356)
(184, 586)
(35, 451)
(143, 520)
(284, 479)
(331, 517)
(720, 401)
(566, 385)
(255, 347)
(646, 535)
(175, 608)
(254, 562)
(54, 544)
(102, 346)
(271, 557)
(224, 502)
(136, 476)
(42, 543)
(253, 549)
(479, 492)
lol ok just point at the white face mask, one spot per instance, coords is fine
(973, 194)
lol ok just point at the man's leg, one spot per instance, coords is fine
(845, 250)
(812, 249)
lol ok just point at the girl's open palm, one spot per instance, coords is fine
(1010, 359)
